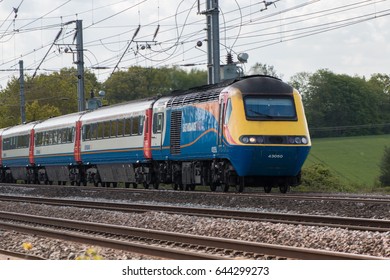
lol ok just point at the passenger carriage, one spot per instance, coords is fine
(115, 141)
(56, 149)
(18, 153)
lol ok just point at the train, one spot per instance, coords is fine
(247, 132)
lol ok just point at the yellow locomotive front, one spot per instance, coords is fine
(266, 136)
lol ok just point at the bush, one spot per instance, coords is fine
(384, 178)
(319, 178)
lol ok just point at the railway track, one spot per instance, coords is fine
(166, 245)
(312, 220)
(354, 198)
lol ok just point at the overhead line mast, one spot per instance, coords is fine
(213, 51)
(80, 66)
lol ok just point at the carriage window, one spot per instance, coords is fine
(135, 126)
(16, 142)
(114, 128)
(22, 141)
(55, 137)
(6, 143)
(141, 124)
(39, 139)
(158, 119)
(107, 129)
(127, 127)
(71, 133)
(269, 108)
(87, 132)
(121, 127)
(60, 135)
(94, 131)
(100, 130)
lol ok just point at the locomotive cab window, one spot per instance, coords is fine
(158, 120)
(228, 112)
(270, 108)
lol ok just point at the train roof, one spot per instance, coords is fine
(263, 84)
(20, 129)
(121, 110)
(248, 84)
(59, 122)
(223, 84)
(2, 130)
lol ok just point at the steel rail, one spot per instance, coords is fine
(362, 224)
(223, 243)
(152, 250)
(19, 255)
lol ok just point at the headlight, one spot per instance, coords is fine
(245, 140)
(297, 140)
(274, 139)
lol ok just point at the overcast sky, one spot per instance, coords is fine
(350, 36)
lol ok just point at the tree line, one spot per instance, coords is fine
(335, 104)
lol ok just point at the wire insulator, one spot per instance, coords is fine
(229, 58)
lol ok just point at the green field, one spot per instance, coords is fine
(353, 159)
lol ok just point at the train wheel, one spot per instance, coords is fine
(225, 187)
(114, 184)
(146, 185)
(127, 185)
(213, 187)
(155, 185)
(267, 189)
(135, 185)
(189, 187)
(240, 187)
(284, 188)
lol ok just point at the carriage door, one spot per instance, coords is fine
(157, 132)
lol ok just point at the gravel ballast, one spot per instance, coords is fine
(325, 238)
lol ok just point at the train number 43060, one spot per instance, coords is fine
(275, 156)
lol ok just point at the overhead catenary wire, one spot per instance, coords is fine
(43, 59)
(128, 46)
(179, 30)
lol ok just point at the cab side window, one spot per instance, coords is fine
(158, 122)
(228, 111)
